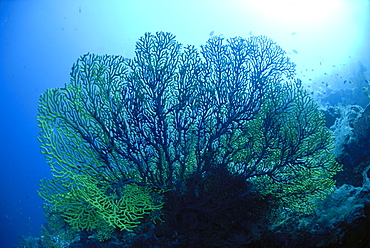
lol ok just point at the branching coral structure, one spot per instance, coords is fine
(124, 130)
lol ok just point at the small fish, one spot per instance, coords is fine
(293, 33)
(295, 51)
(326, 84)
(333, 65)
(250, 32)
(211, 33)
(367, 81)
(350, 82)
(345, 81)
(79, 10)
(365, 88)
(322, 82)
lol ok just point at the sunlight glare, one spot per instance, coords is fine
(298, 12)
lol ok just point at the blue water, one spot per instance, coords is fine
(40, 40)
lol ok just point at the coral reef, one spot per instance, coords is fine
(209, 141)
